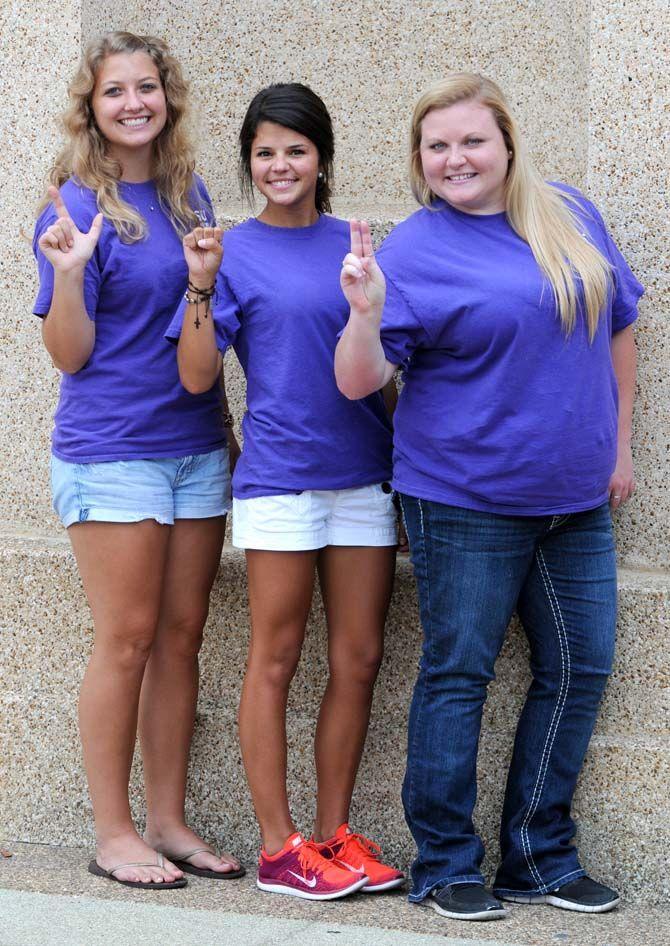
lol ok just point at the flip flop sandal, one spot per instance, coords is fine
(182, 862)
(95, 868)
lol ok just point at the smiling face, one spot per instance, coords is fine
(129, 105)
(284, 168)
(464, 157)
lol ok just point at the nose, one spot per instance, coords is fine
(133, 102)
(279, 162)
(455, 158)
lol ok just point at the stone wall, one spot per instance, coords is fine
(587, 83)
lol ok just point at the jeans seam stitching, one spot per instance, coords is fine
(410, 793)
(555, 722)
(80, 512)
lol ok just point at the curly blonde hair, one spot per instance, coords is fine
(86, 154)
(537, 211)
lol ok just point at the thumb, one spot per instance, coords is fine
(96, 227)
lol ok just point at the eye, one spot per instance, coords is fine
(474, 141)
(148, 87)
(112, 90)
(437, 146)
(263, 153)
(298, 151)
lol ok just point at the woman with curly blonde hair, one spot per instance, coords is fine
(511, 310)
(140, 468)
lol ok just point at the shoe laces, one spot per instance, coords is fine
(363, 845)
(310, 857)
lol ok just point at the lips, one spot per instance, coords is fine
(460, 178)
(283, 183)
(135, 122)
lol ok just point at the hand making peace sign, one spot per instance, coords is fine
(63, 243)
(362, 281)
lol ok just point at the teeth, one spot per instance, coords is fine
(460, 177)
(135, 122)
(281, 183)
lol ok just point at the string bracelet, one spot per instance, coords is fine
(196, 296)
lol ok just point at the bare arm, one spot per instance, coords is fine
(198, 357)
(624, 359)
(67, 330)
(360, 364)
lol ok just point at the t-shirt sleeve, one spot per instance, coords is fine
(45, 270)
(401, 330)
(225, 312)
(626, 289)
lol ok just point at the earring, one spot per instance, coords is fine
(320, 175)
(511, 154)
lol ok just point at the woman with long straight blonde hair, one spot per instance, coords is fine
(510, 309)
(140, 468)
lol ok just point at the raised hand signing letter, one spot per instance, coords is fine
(203, 252)
(63, 243)
(362, 281)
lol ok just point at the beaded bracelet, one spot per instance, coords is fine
(200, 296)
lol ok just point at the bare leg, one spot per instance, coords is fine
(281, 585)
(121, 565)
(171, 680)
(356, 585)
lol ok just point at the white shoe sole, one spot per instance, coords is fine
(306, 895)
(481, 916)
(389, 885)
(559, 902)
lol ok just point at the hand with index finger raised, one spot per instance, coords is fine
(65, 246)
(203, 252)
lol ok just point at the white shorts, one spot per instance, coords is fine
(314, 518)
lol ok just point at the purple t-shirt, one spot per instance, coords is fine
(278, 303)
(127, 401)
(500, 411)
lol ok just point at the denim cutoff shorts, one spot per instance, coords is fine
(164, 489)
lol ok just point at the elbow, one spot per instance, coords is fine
(195, 385)
(351, 388)
(352, 392)
(68, 365)
(196, 382)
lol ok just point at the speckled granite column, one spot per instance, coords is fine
(586, 82)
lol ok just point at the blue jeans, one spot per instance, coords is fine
(473, 570)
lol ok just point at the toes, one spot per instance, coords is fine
(229, 862)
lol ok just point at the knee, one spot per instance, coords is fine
(129, 643)
(274, 668)
(181, 636)
(359, 666)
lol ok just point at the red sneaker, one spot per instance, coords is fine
(301, 870)
(360, 855)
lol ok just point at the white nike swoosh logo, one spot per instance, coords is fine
(310, 883)
(354, 870)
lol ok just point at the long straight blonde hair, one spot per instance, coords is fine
(86, 155)
(537, 211)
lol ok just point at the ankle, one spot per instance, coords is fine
(117, 837)
(162, 826)
(273, 842)
(326, 830)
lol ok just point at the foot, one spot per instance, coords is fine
(359, 854)
(300, 870)
(466, 902)
(583, 895)
(130, 848)
(179, 840)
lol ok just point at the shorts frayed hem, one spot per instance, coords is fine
(114, 515)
